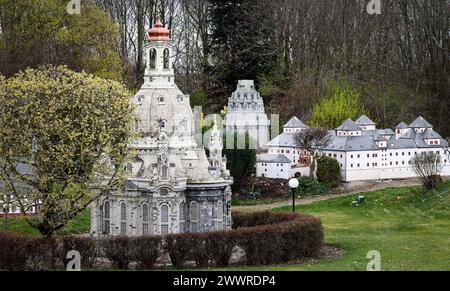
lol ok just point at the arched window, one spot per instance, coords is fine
(106, 218)
(193, 215)
(166, 59)
(153, 59)
(164, 220)
(182, 217)
(219, 215)
(145, 220)
(214, 215)
(123, 219)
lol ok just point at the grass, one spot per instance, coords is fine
(81, 224)
(410, 230)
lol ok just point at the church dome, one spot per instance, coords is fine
(158, 32)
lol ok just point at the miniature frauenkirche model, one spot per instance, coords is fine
(172, 186)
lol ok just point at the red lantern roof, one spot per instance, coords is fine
(159, 32)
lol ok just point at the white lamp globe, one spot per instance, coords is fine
(293, 183)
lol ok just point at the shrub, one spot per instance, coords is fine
(260, 218)
(198, 98)
(118, 250)
(329, 171)
(146, 251)
(220, 245)
(86, 246)
(278, 237)
(179, 247)
(24, 253)
(308, 186)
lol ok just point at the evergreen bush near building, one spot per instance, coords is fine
(328, 171)
(308, 186)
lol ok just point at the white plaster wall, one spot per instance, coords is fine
(273, 170)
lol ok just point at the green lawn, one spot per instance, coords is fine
(81, 224)
(412, 232)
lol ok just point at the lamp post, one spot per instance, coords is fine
(293, 183)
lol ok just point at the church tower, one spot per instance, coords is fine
(158, 51)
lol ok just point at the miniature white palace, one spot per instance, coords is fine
(363, 151)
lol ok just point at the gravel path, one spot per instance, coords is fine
(346, 190)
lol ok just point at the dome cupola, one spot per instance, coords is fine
(158, 32)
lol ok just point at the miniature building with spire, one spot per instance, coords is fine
(172, 186)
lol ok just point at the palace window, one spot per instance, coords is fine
(182, 217)
(219, 215)
(164, 220)
(123, 219)
(107, 218)
(145, 220)
(193, 215)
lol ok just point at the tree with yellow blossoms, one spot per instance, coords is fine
(63, 142)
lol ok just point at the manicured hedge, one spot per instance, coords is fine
(23, 253)
(265, 237)
(146, 251)
(271, 238)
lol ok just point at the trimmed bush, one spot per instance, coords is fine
(308, 186)
(219, 246)
(86, 246)
(329, 171)
(280, 237)
(260, 218)
(119, 250)
(24, 253)
(188, 247)
(266, 237)
(146, 251)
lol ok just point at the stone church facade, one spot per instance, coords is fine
(246, 114)
(172, 186)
